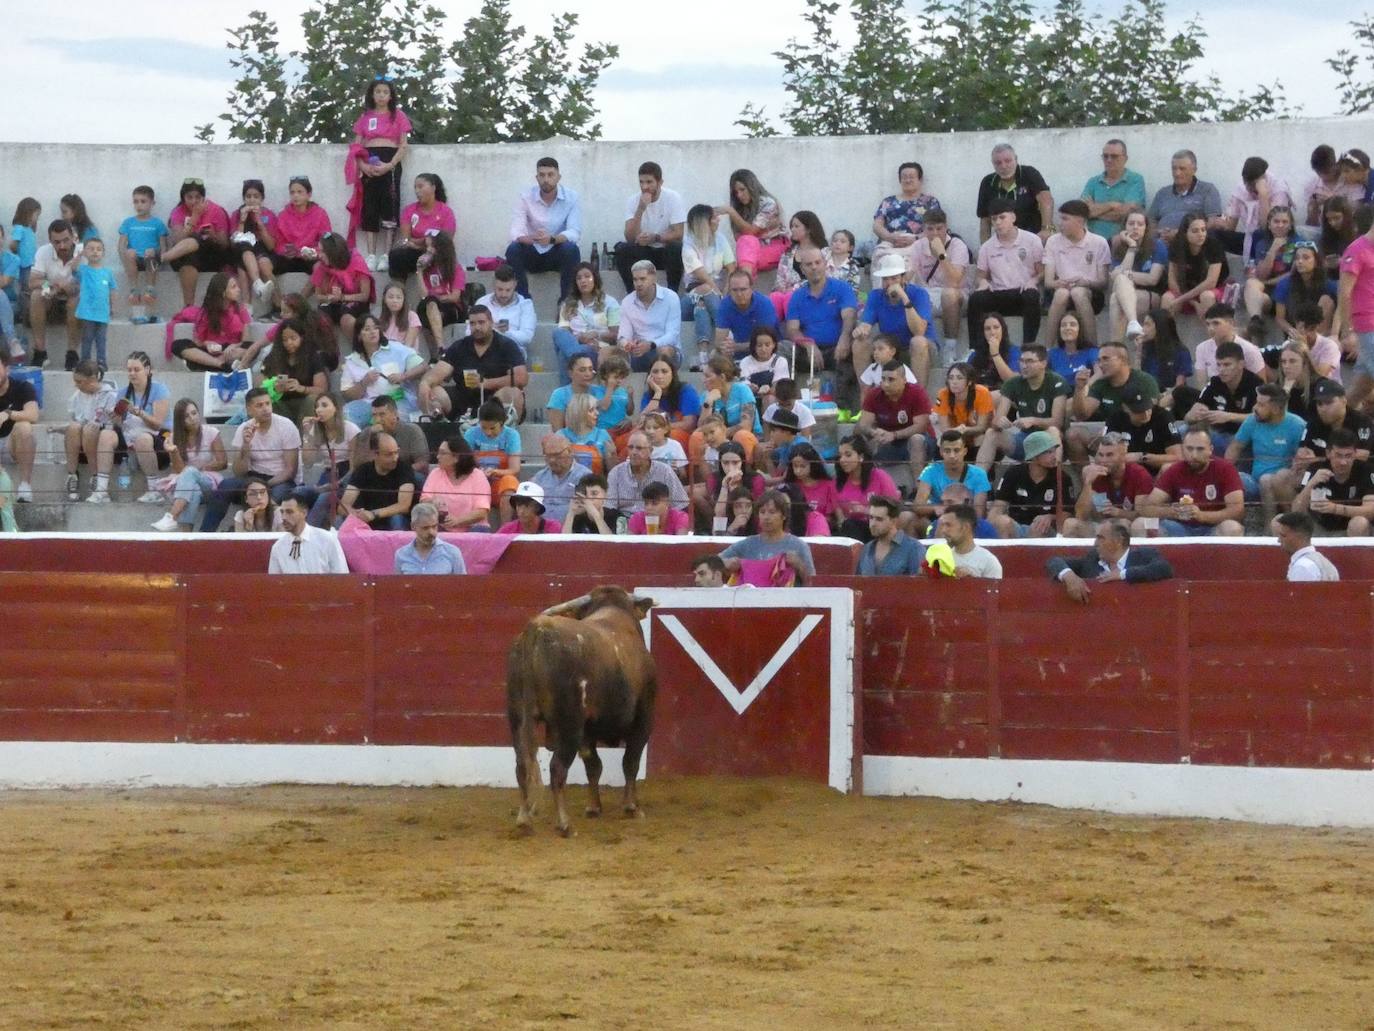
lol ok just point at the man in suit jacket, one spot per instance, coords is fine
(1111, 558)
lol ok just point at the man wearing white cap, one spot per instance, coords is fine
(899, 309)
(528, 505)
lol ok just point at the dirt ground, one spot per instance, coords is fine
(732, 905)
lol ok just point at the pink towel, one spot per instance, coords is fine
(356, 152)
(374, 551)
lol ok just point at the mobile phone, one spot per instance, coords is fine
(121, 407)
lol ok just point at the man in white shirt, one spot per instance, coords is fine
(512, 313)
(1305, 563)
(654, 221)
(53, 291)
(1220, 320)
(956, 525)
(266, 448)
(546, 229)
(304, 548)
(650, 320)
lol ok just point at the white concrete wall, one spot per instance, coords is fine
(841, 179)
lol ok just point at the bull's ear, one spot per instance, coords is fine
(642, 605)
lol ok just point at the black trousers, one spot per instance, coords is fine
(666, 258)
(982, 303)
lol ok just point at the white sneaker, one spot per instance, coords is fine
(24, 492)
(372, 262)
(262, 288)
(98, 497)
(1133, 330)
(73, 487)
(383, 263)
(151, 497)
(166, 524)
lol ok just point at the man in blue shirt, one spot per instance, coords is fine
(900, 310)
(739, 313)
(1114, 194)
(889, 552)
(545, 230)
(1273, 435)
(427, 553)
(820, 315)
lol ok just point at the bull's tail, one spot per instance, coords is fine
(522, 713)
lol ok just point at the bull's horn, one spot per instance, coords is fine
(567, 608)
(639, 599)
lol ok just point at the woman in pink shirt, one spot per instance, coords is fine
(383, 130)
(428, 215)
(443, 279)
(807, 471)
(857, 479)
(221, 336)
(458, 488)
(200, 238)
(300, 226)
(343, 283)
(253, 240)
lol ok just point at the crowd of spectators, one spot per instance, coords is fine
(1084, 421)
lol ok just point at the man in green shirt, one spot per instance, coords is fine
(1114, 194)
(1097, 393)
(1034, 400)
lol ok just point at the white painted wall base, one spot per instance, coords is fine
(1305, 798)
(74, 764)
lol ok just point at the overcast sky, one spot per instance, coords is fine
(149, 71)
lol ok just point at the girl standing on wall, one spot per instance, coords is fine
(382, 129)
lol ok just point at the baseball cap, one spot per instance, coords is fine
(888, 265)
(1136, 401)
(1327, 390)
(1037, 443)
(783, 419)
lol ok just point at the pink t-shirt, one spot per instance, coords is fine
(231, 326)
(212, 217)
(470, 494)
(267, 218)
(398, 333)
(1087, 260)
(675, 525)
(382, 125)
(436, 285)
(550, 526)
(852, 500)
(1011, 266)
(820, 496)
(1358, 261)
(420, 222)
(297, 229)
(349, 280)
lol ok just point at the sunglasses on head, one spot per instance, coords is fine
(194, 182)
(383, 78)
(303, 179)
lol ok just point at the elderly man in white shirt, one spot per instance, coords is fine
(650, 320)
(655, 218)
(512, 314)
(304, 548)
(1305, 563)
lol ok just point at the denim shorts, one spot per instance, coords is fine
(1173, 528)
(1365, 362)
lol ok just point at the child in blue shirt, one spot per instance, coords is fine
(96, 286)
(496, 450)
(9, 297)
(24, 237)
(142, 237)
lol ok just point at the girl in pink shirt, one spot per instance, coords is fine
(428, 215)
(399, 323)
(443, 280)
(221, 334)
(253, 239)
(856, 478)
(300, 225)
(806, 469)
(343, 282)
(383, 129)
(200, 238)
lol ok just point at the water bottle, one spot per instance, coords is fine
(126, 478)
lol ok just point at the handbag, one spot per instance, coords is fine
(224, 394)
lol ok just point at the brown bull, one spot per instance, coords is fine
(582, 670)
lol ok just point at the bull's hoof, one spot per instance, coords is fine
(524, 830)
(566, 832)
(633, 812)
(592, 812)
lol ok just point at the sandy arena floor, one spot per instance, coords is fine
(733, 905)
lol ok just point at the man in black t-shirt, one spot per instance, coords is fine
(1023, 186)
(482, 365)
(380, 492)
(1228, 397)
(1028, 497)
(1331, 413)
(1153, 441)
(19, 416)
(1339, 492)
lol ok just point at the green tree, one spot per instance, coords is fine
(999, 64)
(494, 83)
(1356, 97)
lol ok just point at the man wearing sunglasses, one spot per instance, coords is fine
(1114, 194)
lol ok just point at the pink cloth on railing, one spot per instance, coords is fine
(374, 551)
(356, 152)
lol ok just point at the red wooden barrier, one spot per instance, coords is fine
(1223, 673)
